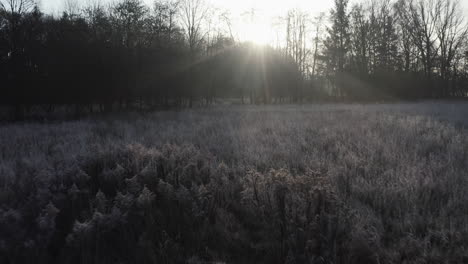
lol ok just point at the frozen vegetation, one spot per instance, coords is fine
(239, 184)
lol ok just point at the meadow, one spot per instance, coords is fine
(331, 183)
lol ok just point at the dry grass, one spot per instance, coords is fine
(295, 184)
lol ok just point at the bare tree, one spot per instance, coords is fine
(451, 30)
(408, 51)
(193, 13)
(225, 17)
(13, 11)
(129, 17)
(383, 35)
(17, 6)
(360, 39)
(337, 45)
(162, 21)
(71, 7)
(318, 23)
(296, 34)
(420, 18)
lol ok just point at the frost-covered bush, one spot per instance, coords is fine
(284, 184)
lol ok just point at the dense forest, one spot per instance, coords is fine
(132, 56)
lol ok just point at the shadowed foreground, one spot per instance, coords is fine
(284, 184)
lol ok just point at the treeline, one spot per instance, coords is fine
(383, 49)
(129, 55)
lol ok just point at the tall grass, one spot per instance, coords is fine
(272, 184)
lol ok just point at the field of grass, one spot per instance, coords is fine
(239, 184)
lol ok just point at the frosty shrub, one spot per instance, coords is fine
(269, 184)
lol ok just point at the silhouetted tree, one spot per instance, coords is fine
(338, 44)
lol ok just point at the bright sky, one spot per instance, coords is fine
(259, 29)
(273, 6)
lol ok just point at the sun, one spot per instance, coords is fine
(261, 21)
(257, 33)
(255, 27)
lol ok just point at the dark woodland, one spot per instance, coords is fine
(130, 56)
